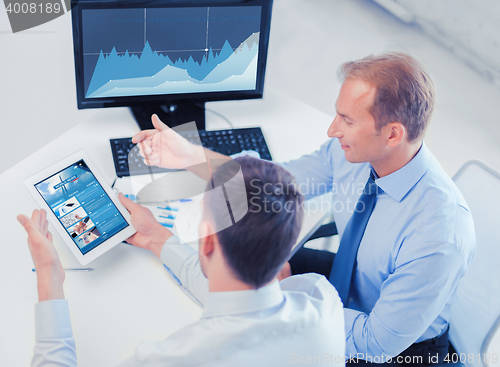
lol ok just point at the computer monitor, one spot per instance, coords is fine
(169, 57)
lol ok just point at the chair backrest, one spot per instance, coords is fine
(475, 315)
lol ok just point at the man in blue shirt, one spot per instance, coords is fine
(419, 240)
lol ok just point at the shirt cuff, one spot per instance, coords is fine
(174, 254)
(52, 320)
(350, 317)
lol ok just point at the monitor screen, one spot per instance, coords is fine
(135, 52)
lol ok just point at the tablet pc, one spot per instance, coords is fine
(81, 206)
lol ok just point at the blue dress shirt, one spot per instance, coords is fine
(416, 247)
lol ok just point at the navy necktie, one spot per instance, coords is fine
(343, 264)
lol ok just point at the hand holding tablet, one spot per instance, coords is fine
(150, 235)
(81, 206)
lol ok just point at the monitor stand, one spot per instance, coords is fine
(171, 114)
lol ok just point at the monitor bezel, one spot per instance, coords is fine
(82, 102)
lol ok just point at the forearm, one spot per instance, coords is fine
(159, 237)
(363, 337)
(183, 262)
(54, 342)
(49, 288)
(411, 301)
(313, 173)
(211, 162)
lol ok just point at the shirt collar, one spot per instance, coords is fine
(241, 302)
(399, 183)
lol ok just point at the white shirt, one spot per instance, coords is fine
(297, 320)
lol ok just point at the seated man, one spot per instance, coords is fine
(407, 236)
(249, 317)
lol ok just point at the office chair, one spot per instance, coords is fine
(475, 314)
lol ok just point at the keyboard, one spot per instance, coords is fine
(129, 162)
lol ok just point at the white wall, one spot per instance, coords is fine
(468, 28)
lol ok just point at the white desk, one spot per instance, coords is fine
(129, 297)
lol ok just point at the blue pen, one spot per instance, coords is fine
(72, 269)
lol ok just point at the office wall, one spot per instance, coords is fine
(469, 29)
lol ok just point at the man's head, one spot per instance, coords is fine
(385, 100)
(255, 247)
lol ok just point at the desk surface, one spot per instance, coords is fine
(129, 297)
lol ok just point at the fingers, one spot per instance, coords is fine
(141, 147)
(152, 160)
(45, 228)
(146, 152)
(44, 224)
(23, 220)
(35, 218)
(143, 135)
(127, 203)
(158, 124)
(132, 240)
(145, 148)
(31, 226)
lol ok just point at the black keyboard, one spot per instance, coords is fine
(127, 159)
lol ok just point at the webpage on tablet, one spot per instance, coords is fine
(82, 206)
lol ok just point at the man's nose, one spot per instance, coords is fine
(333, 130)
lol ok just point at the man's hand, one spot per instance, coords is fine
(163, 147)
(49, 271)
(285, 272)
(150, 235)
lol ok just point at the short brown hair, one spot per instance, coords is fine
(405, 91)
(257, 245)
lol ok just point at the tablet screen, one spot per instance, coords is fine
(82, 206)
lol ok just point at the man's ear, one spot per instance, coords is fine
(207, 240)
(396, 133)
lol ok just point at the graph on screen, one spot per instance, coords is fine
(171, 51)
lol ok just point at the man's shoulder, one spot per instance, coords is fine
(304, 282)
(445, 215)
(313, 304)
(436, 187)
(308, 320)
(314, 287)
